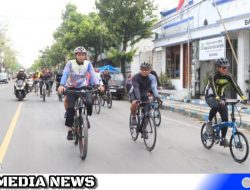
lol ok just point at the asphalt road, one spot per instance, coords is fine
(38, 142)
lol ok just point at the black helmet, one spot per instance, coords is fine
(146, 65)
(222, 62)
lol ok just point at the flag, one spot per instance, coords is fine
(181, 3)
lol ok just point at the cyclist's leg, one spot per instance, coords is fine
(214, 105)
(65, 102)
(41, 86)
(223, 110)
(89, 102)
(70, 114)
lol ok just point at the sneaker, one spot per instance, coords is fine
(133, 120)
(224, 143)
(70, 135)
(209, 128)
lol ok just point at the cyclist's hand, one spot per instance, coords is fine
(101, 88)
(158, 99)
(244, 101)
(61, 89)
(217, 98)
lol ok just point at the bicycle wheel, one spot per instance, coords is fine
(207, 140)
(149, 132)
(157, 117)
(109, 100)
(44, 93)
(239, 147)
(96, 103)
(48, 90)
(83, 136)
(133, 128)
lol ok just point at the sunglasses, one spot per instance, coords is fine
(224, 68)
(145, 70)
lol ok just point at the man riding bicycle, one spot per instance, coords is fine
(44, 78)
(142, 83)
(77, 74)
(215, 96)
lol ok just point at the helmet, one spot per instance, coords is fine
(80, 49)
(21, 70)
(222, 62)
(146, 65)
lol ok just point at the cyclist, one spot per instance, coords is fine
(98, 80)
(106, 77)
(75, 76)
(51, 79)
(141, 84)
(215, 96)
(44, 78)
(36, 78)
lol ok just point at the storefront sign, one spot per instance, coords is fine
(213, 48)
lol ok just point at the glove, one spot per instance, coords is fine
(158, 99)
(217, 98)
(244, 100)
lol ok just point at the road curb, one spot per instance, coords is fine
(195, 114)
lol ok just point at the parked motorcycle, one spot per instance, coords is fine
(20, 90)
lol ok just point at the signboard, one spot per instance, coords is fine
(213, 48)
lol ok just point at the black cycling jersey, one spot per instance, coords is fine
(105, 79)
(141, 85)
(217, 83)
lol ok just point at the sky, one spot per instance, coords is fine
(31, 23)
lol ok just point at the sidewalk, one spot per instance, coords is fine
(199, 109)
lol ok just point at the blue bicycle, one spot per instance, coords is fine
(238, 145)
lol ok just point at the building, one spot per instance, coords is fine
(189, 40)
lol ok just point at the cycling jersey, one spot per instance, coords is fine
(217, 83)
(77, 76)
(105, 79)
(141, 85)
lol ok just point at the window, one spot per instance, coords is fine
(173, 62)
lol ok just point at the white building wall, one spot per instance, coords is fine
(243, 58)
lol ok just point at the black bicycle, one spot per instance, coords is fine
(96, 99)
(239, 147)
(156, 113)
(145, 125)
(107, 97)
(81, 122)
(45, 89)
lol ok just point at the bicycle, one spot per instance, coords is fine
(45, 89)
(96, 100)
(156, 113)
(238, 141)
(81, 123)
(145, 124)
(107, 96)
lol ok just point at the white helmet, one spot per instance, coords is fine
(80, 49)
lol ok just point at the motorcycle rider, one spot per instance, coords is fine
(22, 76)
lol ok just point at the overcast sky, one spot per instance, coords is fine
(31, 23)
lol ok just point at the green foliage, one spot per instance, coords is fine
(128, 20)
(116, 56)
(166, 81)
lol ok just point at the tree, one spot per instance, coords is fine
(129, 20)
